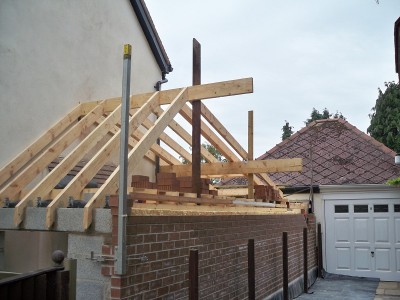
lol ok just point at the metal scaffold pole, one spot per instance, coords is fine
(120, 265)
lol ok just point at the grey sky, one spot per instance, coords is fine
(301, 54)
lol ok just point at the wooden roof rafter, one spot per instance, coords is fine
(97, 121)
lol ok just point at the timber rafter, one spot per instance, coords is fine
(98, 122)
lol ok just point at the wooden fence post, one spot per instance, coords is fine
(285, 264)
(194, 274)
(251, 269)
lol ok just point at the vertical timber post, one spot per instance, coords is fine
(250, 154)
(305, 258)
(196, 121)
(194, 274)
(120, 264)
(319, 240)
(251, 269)
(285, 264)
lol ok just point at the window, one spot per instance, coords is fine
(381, 208)
(341, 209)
(397, 208)
(360, 208)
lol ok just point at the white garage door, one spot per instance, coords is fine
(363, 238)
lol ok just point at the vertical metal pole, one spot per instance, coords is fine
(194, 274)
(305, 258)
(196, 122)
(120, 264)
(251, 269)
(285, 264)
(319, 238)
(250, 153)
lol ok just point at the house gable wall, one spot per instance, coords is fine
(55, 54)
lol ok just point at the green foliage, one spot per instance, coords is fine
(210, 148)
(316, 115)
(395, 181)
(287, 131)
(385, 117)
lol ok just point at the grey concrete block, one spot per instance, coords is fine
(6, 218)
(35, 218)
(83, 244)
(102, 220)
(87, 289)
(69, 219)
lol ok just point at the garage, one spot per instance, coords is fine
(363, 238)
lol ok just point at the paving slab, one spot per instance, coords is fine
(338, 287)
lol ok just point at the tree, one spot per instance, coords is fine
(385, 117)
(315, 115)
(287, 131)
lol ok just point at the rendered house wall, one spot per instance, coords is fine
(55, 54)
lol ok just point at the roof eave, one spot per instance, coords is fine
(152, 36)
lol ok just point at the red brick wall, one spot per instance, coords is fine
(222, 245)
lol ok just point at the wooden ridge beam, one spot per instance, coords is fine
(14, 188)
(9, 170)
(254, 166)
(137, 153)
(204, 91)
(78, 183)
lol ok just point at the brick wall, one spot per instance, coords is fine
(222, 244)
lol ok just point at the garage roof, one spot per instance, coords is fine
(335, 152)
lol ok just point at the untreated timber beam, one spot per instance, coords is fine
(136, 154)
(254, 166)
(204, 91)
(9, 170)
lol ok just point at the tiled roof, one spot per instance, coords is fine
(334, 152)
(99, 178)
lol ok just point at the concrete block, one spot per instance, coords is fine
(92, 290)
(102, 220)
(35, 218)
(82, 244)
(6, 218)
(69, 219)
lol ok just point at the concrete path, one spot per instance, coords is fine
(337, 287)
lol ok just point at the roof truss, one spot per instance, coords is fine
(96, 122)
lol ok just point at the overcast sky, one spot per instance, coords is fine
(301, 54)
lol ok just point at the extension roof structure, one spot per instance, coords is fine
(93, 123)
(334, 152)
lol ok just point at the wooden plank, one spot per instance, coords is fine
(196, 121)
(250, 156)
(220, 128)
(234, 192)
(136, 154)
(186, 112)
(179, 130)
(9, 170)
(204, 91)
(144, 209)
(239, 167)
(170, 142)
(61, 170)
(181, 199)
(77, 184)
(158, 150)
(13, 189)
